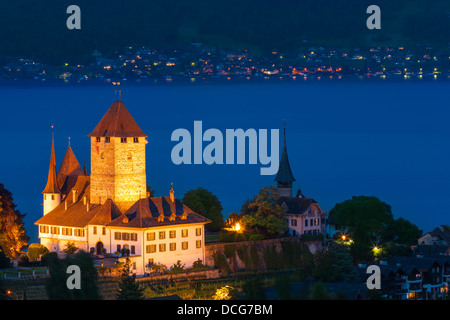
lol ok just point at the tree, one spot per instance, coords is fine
(13, 237)
(35, 250)
(263, 214)
(318, 292)
(207, 204)
(334, 264)
(129, 289)
(4, 260)
(56, 285)
(70, 248)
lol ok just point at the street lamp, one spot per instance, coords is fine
(9, 292)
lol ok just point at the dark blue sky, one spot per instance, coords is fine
(376, 138)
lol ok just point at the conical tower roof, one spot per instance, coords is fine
(117, 122)
(284, 174)
(69, 166)
(52, 182)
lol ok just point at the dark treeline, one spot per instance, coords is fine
(37, 28)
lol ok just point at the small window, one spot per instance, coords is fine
(172, 234)
(123, 140)
(162, 247)
(151, 236)
(98, 139)
(104, 231)
(198, 244)
(162, 235)
(108, 139)
(184, 245)
(53, 197)
(133, 250)
(117, 236)
(95, 230)
(136, 140)
(184, 233)
(198, 231)
(173, 246)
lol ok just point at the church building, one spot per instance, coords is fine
(109, 211)
(304, 215)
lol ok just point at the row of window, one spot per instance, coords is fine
(162, 247)
(123, 139)
(77, 232)
(311, 222)
(125, 236)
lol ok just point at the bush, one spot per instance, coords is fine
(35, 250)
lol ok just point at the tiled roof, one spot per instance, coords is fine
(296, 205)
(52, 181)
(117, 122)
(145, 213)
(69, 167)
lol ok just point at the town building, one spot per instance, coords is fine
(304, 215)
(109, 211)
(415, 277)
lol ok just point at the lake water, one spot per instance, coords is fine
(345, 138)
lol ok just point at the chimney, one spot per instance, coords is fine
(74, 195)
(172, 195)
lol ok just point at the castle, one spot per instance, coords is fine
(109, 211)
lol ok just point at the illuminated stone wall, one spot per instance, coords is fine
(118, 171)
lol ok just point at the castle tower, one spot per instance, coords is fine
(68, 171)
(117, 159)
(284, 176)
(52, 193)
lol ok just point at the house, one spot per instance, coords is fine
(440, 236)
(415, 278)
(304, 215)
(109, 211)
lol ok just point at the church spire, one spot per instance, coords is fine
(284, 177)
(52, 182)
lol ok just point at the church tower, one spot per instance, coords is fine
(117, 159)
(284, 177)
(52, 193)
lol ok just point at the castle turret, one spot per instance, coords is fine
(284, 176)
(52, 193)
(117, 159)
